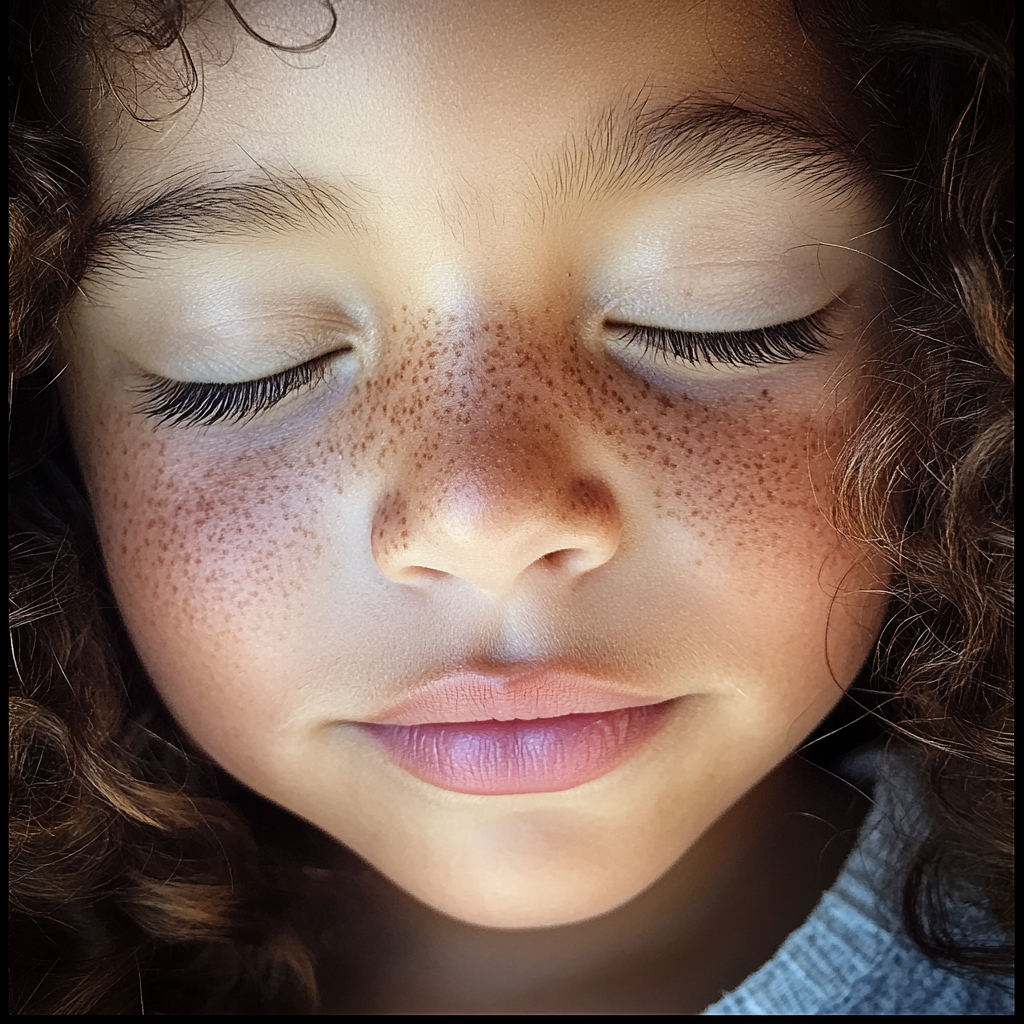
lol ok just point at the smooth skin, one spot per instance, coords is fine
(487, 474)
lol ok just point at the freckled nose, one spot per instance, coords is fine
(492, 530)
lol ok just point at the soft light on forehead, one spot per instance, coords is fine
(459, 97)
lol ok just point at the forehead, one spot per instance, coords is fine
(454, 97)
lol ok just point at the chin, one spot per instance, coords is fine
(520, 902)
(508, 914)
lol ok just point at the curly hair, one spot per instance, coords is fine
(133, 857)
(927, 479)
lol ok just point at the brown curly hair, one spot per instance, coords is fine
(134, 859)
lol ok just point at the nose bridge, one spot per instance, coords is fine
(488, 480)
(495, 415)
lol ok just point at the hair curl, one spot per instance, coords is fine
(132, 857)
(927, 479)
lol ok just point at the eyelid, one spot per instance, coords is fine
(197, 403)
(774, 344)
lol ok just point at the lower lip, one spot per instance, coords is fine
(542, 755)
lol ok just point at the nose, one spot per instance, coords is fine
(502, 498)
(492, 533)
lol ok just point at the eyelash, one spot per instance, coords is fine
(781, 343)
(188, 403)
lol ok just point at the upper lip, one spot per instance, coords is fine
(526, 692)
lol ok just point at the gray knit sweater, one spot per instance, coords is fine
(851, 956)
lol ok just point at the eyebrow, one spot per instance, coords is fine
(630, 147)
(639, 145)
(203, 206)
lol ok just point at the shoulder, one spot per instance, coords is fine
(908, 983)
(852, 956)
(898, 981)
(845, 960)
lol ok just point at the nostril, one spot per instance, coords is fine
(416, 575)
(422, 574)
(560, 559)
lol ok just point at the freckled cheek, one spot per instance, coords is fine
(205, 553)
(739, 475)
(737, 496)
(725, 470)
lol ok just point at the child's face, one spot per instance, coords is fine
(486, 479)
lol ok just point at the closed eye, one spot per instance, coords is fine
(763, 346)
(193, 403)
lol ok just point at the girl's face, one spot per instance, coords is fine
(488, 494)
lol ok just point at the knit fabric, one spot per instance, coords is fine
(851, 955)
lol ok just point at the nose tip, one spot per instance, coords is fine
(492, 542)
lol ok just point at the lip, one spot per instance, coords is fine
(536, 692)
(537, 731)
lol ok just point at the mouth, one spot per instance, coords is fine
(536, 732)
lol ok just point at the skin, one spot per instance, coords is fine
(489, 475)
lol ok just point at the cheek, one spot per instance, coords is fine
(740, 494)
(208, 554)
(740, 491)
(742, 574)
(746, 465)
